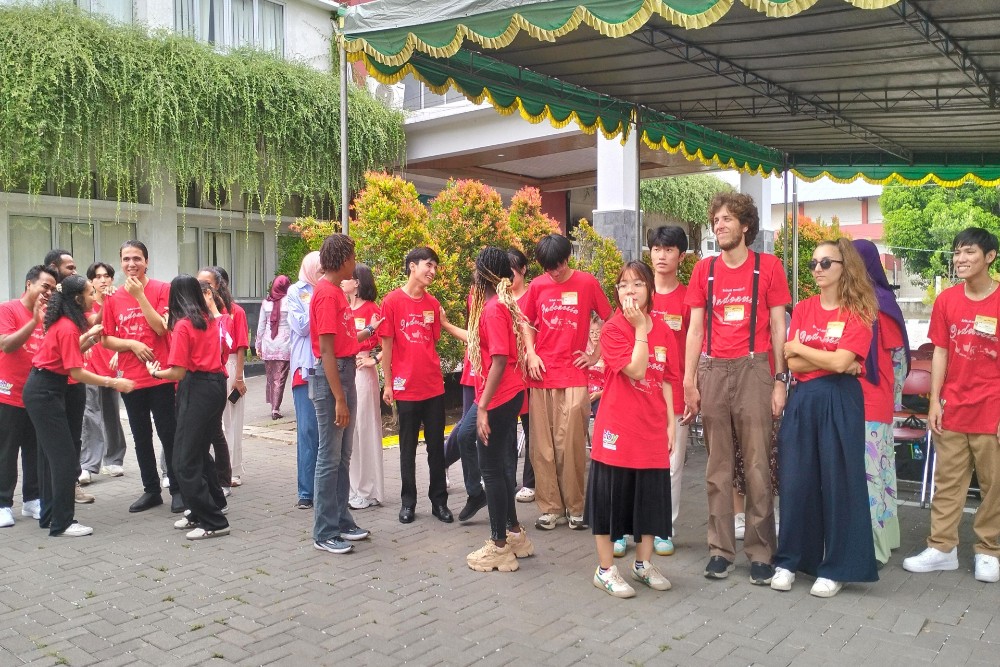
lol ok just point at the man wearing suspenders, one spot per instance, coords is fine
(737, 302)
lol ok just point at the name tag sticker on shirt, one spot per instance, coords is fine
(304, 296)
(986, 325)
(359, 323)
(733, 313)
(672, 321)
(569, 299)
(610, 440)
(398, 384)
(428, 317)
(834, 330)
(660, 354)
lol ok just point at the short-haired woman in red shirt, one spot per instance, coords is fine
(628, 492)
(55, 411)
(195, 363)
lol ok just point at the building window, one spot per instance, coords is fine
(29, 239)
(233, 23)
(118, 10)
(247, 273)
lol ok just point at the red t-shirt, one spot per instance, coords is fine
(99, 359)
(60, 350)
(365, 314)
(329, 313)
(15, 366)
(414, 325)
(196, 350)
(561, 314)
(496, 338)
(829, 330)
(123, 318)
(524, 408)
(671, 309)
(630, 430)
(880, 399)
(732, 295)
(968, 330)
(241, 330)
(595, 377)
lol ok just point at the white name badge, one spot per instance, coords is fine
(733, 313)
(660, 354)
(398, 384)
(428, 317)
(834, 330)
(569, 299)
(359, 323)
(986, 325)
(674, 322)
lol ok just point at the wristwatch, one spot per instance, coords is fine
(781, 377)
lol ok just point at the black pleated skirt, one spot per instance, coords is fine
(628, 501)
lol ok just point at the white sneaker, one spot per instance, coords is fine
(741, 525)
(549, 521)
(613, 583)
(932, 560)
(987, 568)
(165, 482)
(32, 508)
(85, 478)
(226, 491)
(6, 517)
(113, 471)
(525, 495)
(77, 530)
(825, 588)
(782, 579)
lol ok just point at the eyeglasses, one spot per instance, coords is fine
(636, 285)
(824, 263)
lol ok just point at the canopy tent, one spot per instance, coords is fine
(900, 92)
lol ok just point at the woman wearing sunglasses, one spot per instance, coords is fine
(825, 523)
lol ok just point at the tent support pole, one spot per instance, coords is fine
(344, 189)
(795, 239)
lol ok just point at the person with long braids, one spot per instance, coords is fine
(826, 529)
(195, 363)
(497, 351)
(628, 492)
(519, 287)
(56, 412)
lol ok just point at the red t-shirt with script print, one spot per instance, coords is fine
(968, 330)
(15, 365)
(828, 330)
(560, 312)
(414, 325)
(630, 430)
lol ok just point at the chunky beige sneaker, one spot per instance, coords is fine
(82, 497)
(520, 543)
(491, 557)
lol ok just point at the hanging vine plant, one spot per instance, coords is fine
(85, 98)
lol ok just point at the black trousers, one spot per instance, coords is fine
(528, 475)
(223, 462)
(17, 434)
(430, 414)
(157, 402)
(201, 398)
(495, 458)
(56, 411)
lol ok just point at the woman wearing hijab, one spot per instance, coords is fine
(274, 343)
(886, 366)
(302, 363)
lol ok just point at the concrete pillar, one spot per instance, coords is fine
(158, 230)
(617, 194)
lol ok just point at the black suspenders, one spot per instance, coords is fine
(753, 303)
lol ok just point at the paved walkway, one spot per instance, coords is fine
(137, 593)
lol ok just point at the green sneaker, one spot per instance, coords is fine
(621, 546)
(663, 546)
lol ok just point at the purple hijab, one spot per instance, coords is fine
(886, 304)
(279, 288)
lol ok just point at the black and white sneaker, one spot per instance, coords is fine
(718, 567)
(761, 573)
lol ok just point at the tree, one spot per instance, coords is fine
(389, 221)
(598, 256)
(527, 221)
(811, 234)
(683, 198)
(921, 222)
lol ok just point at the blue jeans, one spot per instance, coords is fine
(307, 440)
(331, 515)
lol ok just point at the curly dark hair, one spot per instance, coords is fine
(336, 250)
(742, 207)
(67, 301)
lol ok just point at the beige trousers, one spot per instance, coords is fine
(558, 430)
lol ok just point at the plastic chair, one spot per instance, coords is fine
(912, 427)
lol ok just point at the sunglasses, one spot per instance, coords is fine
(824, 263)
